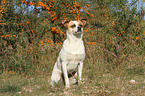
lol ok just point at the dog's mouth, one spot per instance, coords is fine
(78, 33)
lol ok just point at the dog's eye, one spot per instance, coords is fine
(73, 26)
(80, 25)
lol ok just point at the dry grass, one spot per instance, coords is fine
(100, 77)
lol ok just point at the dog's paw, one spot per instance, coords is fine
(51, 84)
(80, 82)
(67, 86)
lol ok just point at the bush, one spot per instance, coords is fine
(27, 36)
(120, 31)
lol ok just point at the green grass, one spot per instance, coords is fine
(100, 78)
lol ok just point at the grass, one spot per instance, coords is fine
(100, 78)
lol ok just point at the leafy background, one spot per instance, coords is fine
(31, 36)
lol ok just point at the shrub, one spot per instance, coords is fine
(27, 36)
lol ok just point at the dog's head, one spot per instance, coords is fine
(75, 27)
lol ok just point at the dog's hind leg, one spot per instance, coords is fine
(56, 76)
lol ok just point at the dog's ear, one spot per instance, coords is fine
(65, 23)
(83, 20)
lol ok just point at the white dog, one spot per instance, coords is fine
(72, 53)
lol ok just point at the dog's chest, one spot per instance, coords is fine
(73, 61)
(75, 57)
(73, 53)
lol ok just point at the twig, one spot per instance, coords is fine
(106, 51)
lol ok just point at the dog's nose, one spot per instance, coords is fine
(79, 28)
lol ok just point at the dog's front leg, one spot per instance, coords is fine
(80, 68)
(65, 74)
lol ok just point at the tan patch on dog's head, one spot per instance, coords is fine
(74, 26)
(70, 24)
(67, 23)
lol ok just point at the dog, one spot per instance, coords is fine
(72, 54)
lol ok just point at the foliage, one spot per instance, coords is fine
(119, 30)
(29, 37)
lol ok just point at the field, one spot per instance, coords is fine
(99, 78)
(30, 41)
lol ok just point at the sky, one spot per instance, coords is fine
(143, 7)
(139, 4)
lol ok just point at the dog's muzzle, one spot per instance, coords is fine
(79, 29)
(78, 32)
